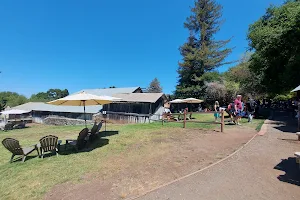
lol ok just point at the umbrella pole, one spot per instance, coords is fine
(84, 114)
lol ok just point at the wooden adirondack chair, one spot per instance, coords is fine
(99, 127)
(95, 130)
(8, 126)
(49, 143)
(14, 147)
(81, 140)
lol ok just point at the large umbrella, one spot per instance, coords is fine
(83, 99)
(296, 89)
(178, 101)
(192, 100)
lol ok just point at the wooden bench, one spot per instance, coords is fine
(297, 154)
(298, 134)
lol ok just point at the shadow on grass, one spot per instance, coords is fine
(291, 169)
(108, 133)
(97, 143)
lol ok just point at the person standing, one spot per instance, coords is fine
(216, 109)
(238, 108)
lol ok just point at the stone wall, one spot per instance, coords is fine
(62, 121)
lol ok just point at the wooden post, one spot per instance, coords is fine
(299, 116)
(162, 119)
(184, 119)
(222, 121)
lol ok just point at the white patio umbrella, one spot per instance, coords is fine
(83, 99)
(178, 101)
(192, 100)
(296, 89)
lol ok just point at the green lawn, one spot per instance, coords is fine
(32, 179)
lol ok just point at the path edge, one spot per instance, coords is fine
(262, 131)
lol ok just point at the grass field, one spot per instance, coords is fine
(32, 179)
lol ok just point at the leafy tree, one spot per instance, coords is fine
(12, 99)
(39, 97)
(248, 82)
(51, 94)
(275, 39)
(154, 86)
(2, 104)
(57, 93)
(201, 53)
(215, 91)
(212, 77)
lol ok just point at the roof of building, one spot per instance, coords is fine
(140, 97)
(40, 106)
(110, 91)
(296, 89)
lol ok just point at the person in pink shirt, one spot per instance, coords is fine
(238, 108)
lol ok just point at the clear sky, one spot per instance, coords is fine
(77, 44)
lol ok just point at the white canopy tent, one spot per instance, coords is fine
(14, 112)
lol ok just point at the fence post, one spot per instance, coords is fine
(299, 116)
(222, 121)
(184, 119)
(162, 119)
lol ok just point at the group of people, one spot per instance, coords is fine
(237, 109)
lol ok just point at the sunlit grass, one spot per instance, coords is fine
(32, 179)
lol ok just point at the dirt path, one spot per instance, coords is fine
(141, 168)
(265, 169)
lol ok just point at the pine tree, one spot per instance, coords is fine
(154, 86)
(201, 53)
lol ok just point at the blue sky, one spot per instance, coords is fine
(95, 44)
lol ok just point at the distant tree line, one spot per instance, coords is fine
(12, 99)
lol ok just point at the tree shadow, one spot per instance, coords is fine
(296, 141)
(291, 169)
(288, 127)
(284, 122)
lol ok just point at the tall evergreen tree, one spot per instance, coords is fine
(201, 53)
(154, 86)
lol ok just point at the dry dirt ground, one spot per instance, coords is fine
(144, 167)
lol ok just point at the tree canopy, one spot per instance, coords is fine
(276, 44)
(154, 86)
(11, 99)
(50, 95)
(201, 53)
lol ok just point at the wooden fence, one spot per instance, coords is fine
(185, 121)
